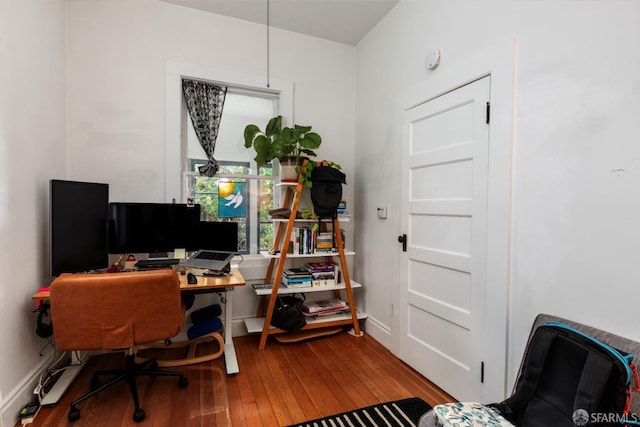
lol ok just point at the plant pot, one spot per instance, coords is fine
(288, 169)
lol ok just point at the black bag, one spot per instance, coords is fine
(569, 378)
(326, 191)
(288, 314)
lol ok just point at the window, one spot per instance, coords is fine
(242, 106)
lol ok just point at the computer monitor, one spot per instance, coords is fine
(219, 236)
(78, 226)
(153, 227)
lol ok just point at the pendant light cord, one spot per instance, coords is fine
(268, 85)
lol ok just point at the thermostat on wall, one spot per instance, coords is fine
(382, 212)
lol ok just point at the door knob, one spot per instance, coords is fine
(403, 239)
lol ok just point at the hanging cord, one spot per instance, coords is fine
(268, 85)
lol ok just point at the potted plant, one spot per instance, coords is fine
(288, 145)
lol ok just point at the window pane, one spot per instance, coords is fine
(242, 106)
(205, 193)
(265, 231)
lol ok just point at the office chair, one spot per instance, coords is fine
(117, 311)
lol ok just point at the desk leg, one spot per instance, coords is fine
(230, 358)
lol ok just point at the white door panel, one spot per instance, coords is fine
(437, 119)
(444, 211)
(443, 180)
(450, 286)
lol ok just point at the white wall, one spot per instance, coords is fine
(94, 110)
(32, 151)
(575, 231)
(117, 52)
(575, 165)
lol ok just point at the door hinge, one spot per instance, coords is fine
(488, 112)
(482, 372)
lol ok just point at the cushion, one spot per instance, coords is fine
(206, 313)
(468, 414)
(204, 328)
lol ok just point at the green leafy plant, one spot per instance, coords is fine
(276, 142)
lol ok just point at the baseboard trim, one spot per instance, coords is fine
(378, 331)
(23, 392)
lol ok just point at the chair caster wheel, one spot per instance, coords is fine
(183, 382)
(138, 415)
(74, 414)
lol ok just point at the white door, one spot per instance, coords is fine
(444, 215)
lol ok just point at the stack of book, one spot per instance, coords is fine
(322, 273)
(324, 242)
(325, 307)
(297, 278)
(342, 208)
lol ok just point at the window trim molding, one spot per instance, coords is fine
(174, 71)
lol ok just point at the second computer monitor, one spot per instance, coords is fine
(153, 227)
(219, 236)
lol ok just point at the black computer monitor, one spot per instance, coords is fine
(78, 226)
(153, 227)
(219, 236)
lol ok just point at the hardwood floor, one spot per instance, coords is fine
(281, 385)
(291, 383)
(204, 402)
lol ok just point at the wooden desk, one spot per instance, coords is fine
(206, 284)
(219, 284)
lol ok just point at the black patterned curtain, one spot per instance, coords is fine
(204, 103)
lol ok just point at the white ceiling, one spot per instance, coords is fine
(344, 21)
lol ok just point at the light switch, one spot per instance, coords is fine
(382, 212)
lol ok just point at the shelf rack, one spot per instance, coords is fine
(262, 323)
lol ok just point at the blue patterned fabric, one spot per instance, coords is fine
(468, 414)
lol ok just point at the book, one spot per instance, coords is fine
(287, 280)
(333, 305)
(318, 267)
(297, 272)
(295, 285)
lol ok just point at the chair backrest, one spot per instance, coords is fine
(115, 310)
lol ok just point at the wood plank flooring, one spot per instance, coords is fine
(281, 385)
(204, 402)
(290, 383)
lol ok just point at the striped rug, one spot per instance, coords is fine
(401, 413)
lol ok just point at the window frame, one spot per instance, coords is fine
(174, 73)
(174, 168)
(254, 227)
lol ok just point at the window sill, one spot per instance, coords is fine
(249, 260)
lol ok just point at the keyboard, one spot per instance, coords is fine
(215, 256)
(157, 263)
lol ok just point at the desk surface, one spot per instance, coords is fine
(210, 283)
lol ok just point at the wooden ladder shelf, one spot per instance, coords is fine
(280, 243)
